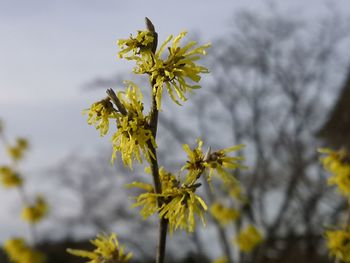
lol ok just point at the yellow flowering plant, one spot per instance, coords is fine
(107, 250)
(17, 249)
(338, 243)
(174, 198)
(248, 238)
(337, 163)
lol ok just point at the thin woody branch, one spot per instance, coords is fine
(111, 94)
(163, 223)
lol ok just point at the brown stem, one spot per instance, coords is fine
(153, 123)
(111, 94)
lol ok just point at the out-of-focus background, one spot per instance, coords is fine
(278, 71)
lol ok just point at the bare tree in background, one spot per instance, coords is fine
(271, 79)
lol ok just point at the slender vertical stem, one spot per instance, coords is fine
(153, 123)
(163, 223)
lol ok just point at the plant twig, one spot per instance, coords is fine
(153, 123)
(113, 97)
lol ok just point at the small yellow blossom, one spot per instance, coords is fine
(19, 252)
(217, 161)
(36, 212)
(338, 243)
(16, 152)
(221, 260)
(22, 143)
(9, 178)
(99, 115)
(175, 71)
(107, 250)
(338, 164)
(180, 203)
(181, 208)
(140, 44)
(195, 164)
(133, 134)
(223, 214)
(248, 239)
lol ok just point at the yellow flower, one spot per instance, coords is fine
(217, 161)
(99, 114)
(248, 239)
(338, 243)
(107, 250)
(9, 178)
(16, 152)
(223, 214)
(36, 212)
(180, 207)
(19, 252)
(180, 203)
(195, 164)
(221, 260)
(174, 71)
(133, 132)
(22, 143)
(338, 164)
(138, 45)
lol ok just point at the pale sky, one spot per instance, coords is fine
(50, 48)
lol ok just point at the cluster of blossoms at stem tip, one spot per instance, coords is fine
(338, 164)
(248, 238)
(338, 243)
(174, 71)
(179, 205)
(133, 133)
(216, 162)
(10, 178)
(107, 250)
(20, 252)
(34, 213)
(16, 152)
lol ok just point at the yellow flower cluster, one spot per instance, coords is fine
(133, 129)
(35, 213)
(107, 250)
(138, 45)
(133, 133)
(180, 203)
(248, 239)
(338, 164)
(10, 178)
(223, 214)
(99, 115)
(221, 260)
(338, 243)
(16, 152)
(217, 161)
(175, 70)
(19, 252)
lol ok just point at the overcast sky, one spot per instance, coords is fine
(50, 48)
